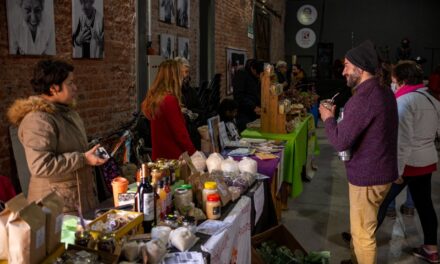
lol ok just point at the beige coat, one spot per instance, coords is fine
(54, 140)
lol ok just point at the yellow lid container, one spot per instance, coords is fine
(210, 185)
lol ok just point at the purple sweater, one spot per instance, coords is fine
(369, 129)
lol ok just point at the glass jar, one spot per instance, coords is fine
(106, 242)
(183, 198)
(190, 223)
(213, 207)
(171, 221)
(82, 238)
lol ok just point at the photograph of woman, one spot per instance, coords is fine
(31, 27)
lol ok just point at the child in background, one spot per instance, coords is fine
(228, 110)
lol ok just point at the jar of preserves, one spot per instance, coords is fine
(213, 206)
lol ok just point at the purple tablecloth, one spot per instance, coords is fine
(267, 167)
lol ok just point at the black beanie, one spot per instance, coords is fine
(364, 56)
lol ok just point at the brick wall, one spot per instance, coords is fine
(232, 18)
(107, 94)
(192, 33)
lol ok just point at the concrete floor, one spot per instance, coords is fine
(321, 213)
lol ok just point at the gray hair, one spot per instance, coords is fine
(182, 61)
(281, 63)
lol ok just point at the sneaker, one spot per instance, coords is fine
(407, 211)
(420, 252)
(391, 213)
(346, 236)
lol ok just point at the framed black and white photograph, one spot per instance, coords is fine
(307, 15)
(183, 13)
(183, 47)
(167, 11)
(235, 60)
(88, 29)
(167, 44)
(31, 27)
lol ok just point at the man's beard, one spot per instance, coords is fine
(353, 79)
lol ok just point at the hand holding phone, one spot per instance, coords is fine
(102, 153)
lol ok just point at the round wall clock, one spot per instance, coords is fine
(307, 15)
(305, 38)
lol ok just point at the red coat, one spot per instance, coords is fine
(169, 136)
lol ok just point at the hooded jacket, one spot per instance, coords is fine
(54, 140)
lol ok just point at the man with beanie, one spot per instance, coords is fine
(368, 130)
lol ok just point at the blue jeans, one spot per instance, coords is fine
(408, 203)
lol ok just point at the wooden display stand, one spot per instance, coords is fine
(271, 120)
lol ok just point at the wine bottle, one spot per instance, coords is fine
(145, 193)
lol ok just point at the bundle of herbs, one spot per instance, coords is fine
(272, 253)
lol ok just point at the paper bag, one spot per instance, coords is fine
(12, 207)
(28, 244)
(52, 205)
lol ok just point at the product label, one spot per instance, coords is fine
(216, 210)
(58, 223)
(148, 206)
(40, 237)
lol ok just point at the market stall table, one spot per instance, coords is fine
(295, 152)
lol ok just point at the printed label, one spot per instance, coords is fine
(216, 210)
(148, 206)
(40, 237)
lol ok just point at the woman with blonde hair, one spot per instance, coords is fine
(162, 106)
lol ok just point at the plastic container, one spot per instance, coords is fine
(213, 207)
(210, 188)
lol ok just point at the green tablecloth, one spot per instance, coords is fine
(295, 152)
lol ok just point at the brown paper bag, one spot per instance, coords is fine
(28, 242)
(12, 207)
(52, 205)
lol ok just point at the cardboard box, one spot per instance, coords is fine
(279, 234)
(122, 231)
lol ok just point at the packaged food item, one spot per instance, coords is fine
(183, 198)
(230, 165)
(162, 233)
(131, 251)
(52, 206)
(247, 165)
(213, 207)
(235, 192)
(199, 161)
(182, 238)
(214, 162)
(156, 250)
(210, 188)
(28, 244)
(11, 209)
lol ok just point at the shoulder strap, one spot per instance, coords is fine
(427, 97)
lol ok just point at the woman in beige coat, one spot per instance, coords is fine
(54, 139)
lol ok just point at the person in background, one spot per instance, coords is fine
(281, 72)
(33, 35)
(54, 139)
(407, 208)
(228, 110)
(404, 51)
(368, 131)
(417, 156)
(88, 39)
(162, 106)
(247, 92)
(192, 108)
(298, 77)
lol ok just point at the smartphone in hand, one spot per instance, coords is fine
(102, 153)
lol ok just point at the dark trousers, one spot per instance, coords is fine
(420, 188)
